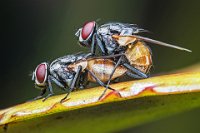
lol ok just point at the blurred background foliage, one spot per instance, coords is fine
(35, 31)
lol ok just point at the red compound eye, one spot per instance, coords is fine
(87, 29)
(41, 72)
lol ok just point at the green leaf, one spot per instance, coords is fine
(113, 113)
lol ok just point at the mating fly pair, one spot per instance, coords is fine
(114, 38)
(76, 71)
(123, 52)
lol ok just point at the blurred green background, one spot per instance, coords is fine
(35, 31)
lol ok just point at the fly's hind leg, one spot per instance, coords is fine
(108, 82)
(101, 83)
(138, 74)
(117, 64)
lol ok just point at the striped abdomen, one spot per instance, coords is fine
(102, 68)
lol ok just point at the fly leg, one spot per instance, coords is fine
(117, 64)
(108, 83)
(72, 85)
(100, 82)
(83, 81)
(101, 45)
(93, 47)
(58, 83)
(51, 93)
(40, 96)
(96, 41)
(137, 72)
(132, 75)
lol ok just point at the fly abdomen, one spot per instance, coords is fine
(139, 56)
(102, 68)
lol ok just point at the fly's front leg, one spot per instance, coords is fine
(93, 47)
(41, 94)
(101, 45)
(73, 82)
(49, 88)
(43, 91)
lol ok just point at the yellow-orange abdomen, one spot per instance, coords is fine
(102, 68)
(139, 56)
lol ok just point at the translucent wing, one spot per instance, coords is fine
(124, 40)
